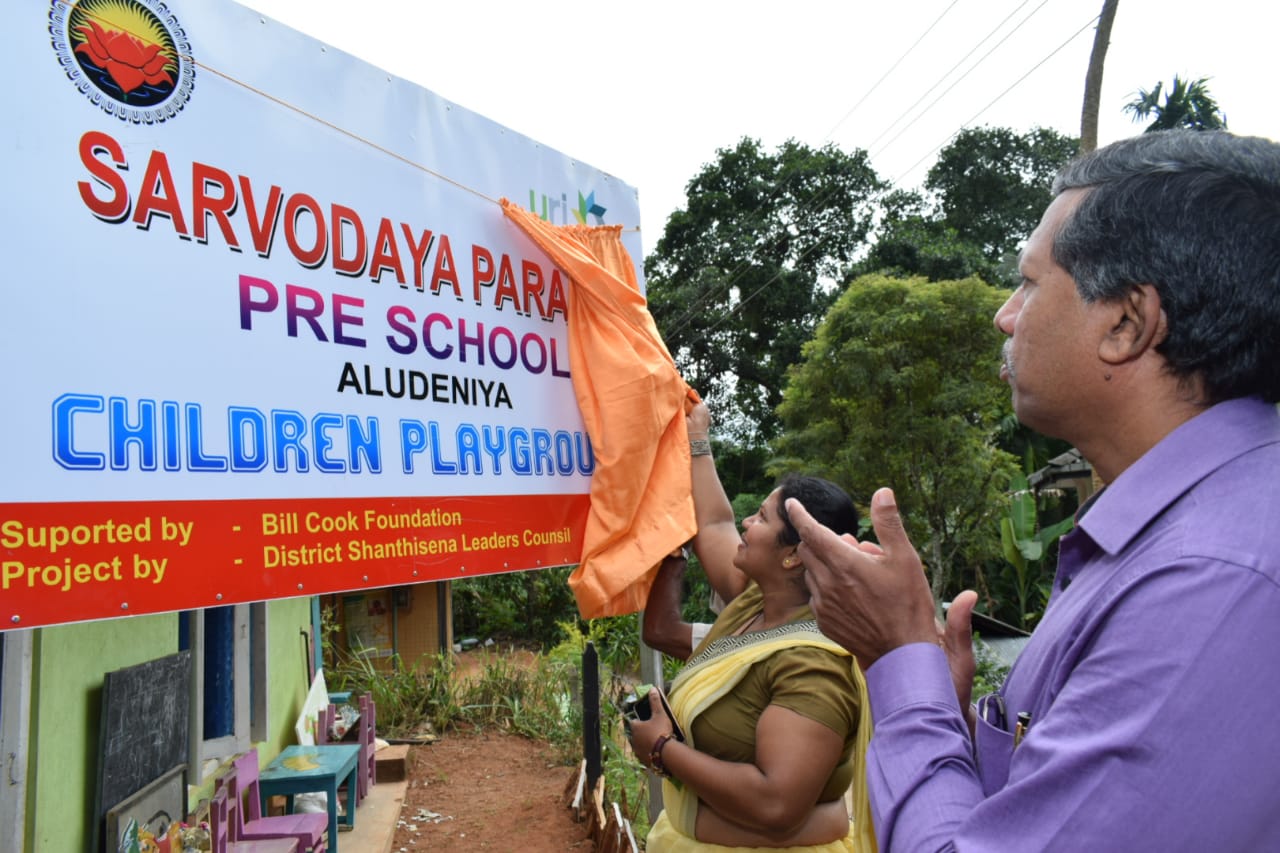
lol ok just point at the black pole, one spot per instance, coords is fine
(591, 714)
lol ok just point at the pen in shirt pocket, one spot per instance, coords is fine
(1020, 728)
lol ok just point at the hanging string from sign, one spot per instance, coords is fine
(356, 137)
(348, 133)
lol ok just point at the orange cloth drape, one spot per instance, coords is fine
(633, 402)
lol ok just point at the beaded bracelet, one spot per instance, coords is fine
(699, 447)
(655, 756)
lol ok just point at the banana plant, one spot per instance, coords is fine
(1025, 545)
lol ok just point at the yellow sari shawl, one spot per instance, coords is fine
(706, 678)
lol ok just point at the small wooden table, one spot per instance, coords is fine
(303, 769)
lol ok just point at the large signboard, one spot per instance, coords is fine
(267, 332)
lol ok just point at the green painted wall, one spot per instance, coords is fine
(68, 666)
(286, 619)
(68, 663)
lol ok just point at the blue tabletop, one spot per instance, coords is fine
(319, 762)
(300, 769)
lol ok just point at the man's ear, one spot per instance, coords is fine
(1138, 325)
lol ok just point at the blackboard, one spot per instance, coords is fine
(143, 727)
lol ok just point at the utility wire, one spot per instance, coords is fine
(894, 67)
(742, 301)
(727, 282)
(997, 98)
(961, 78)
(948, 73)
(712, 288)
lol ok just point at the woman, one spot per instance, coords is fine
(773, 712)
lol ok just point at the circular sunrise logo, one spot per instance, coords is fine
(129, 57)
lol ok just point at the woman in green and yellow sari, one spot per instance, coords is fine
(773, 713)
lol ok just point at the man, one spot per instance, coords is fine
(1143, 713)
(662, 623)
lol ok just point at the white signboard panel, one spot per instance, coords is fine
(268, 331)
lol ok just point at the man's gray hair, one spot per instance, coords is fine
(1196, 214)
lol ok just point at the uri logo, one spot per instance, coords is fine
(587, 205)
(129, 57)
(556, 211)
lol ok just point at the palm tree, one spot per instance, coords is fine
(1186, 105)
(1093, 78)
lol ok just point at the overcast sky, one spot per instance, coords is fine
(648, 91)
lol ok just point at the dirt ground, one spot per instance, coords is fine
(487, 790)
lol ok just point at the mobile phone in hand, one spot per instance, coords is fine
(636, 707)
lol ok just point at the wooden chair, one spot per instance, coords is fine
(309, 829)
(222, 816)
(366, 732)
(367, 773)
(324, 735)
(324, 724)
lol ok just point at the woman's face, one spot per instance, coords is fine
(760, 550)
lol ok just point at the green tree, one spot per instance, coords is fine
(900, 387)
(514, 605)
(1187, 104)
(913, 240)
(743, 273)
(992, 184)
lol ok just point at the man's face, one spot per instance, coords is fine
(1051, 357)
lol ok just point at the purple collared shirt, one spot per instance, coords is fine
(1152, 683)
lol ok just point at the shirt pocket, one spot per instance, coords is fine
(994, 752)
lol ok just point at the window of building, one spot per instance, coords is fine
(229, 679)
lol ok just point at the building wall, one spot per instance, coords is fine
(287, 619)
(412, 624)
(68, 664)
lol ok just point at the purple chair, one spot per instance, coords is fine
(367, 773)
(309, 829)
(324, 724)
(222, 817)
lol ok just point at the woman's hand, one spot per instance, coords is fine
(716, 541)
(698, 421)
(645, 733)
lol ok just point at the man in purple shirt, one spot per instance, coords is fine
(1144, 713)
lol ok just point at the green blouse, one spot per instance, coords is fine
(811, 682)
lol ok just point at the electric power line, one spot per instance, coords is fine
(893, 67)
(971, 69)
(997, 98)
(729, 282)
(742, 301)
(948, 73)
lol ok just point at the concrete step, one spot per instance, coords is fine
(376, 820)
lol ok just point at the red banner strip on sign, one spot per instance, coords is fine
(73, 562)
